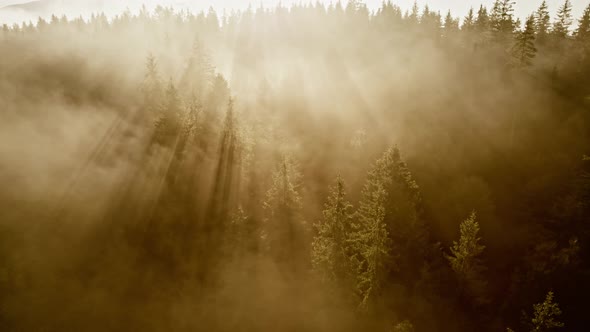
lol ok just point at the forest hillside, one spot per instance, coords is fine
(317, 167)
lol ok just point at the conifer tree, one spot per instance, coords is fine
(371, 241)
(482, 21)
(404, 217)
(430, 21)
(583, 30)
(199, 73)
(284, 226)
(542, 21)
(389, 233)
(227, 173)
(451, 25)
(331, 246)
(469, 21)
(524, 50)
(413, 18)
(169, 120)
(502, 18)
(564, 20)
(465, 260)
(545, 315)
(152, 87)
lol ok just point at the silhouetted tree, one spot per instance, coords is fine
(483, 20)
(524, 49)
(542, 21)
(469, 21)
(583, 30)
(564, 20)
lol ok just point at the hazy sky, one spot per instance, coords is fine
(458, 7)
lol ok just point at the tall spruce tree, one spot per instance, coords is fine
(542, 21)
(414, 16)
(331, 244)
(169, 121)
(151, 87)
(404, 218)
(465, 260)
(372, 246)
(564, 20)
(225, 187)
(583, 30)
(451, 25)
(545, 315)
(524, 49)
(469, 20)
(483, 20)
(284, 226)
(389, 234)
(502, 18)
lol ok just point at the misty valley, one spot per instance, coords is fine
(313, 167)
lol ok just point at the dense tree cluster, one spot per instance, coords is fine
(318, 167)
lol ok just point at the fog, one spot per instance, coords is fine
(112, 8)
(292, 168)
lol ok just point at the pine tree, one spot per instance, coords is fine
(414, 15)
(404, 218)
(199, 73)
(331, 247)
(483, 20)
(469, 21)
(542, 21)
(564, 20)
(227, 174)
(371, 242)
(152, 87)
(524, 50)
(583, 30)
(546, 315)
(283, 223)
(169, 121)
(451, 25)
(389, 233)
(430, 21)
(212, 21)
(466, 262)
(502, 18)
